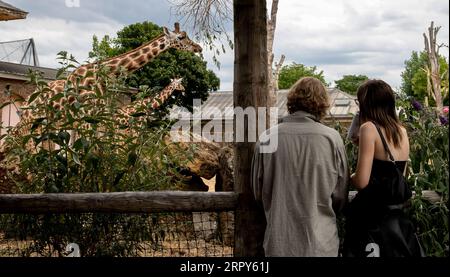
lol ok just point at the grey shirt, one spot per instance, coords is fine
(302, 185)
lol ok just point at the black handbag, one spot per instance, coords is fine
(376, 225)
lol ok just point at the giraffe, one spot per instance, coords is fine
(149, 104)
(85, 76)
(85, 81)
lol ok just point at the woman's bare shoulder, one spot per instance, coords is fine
(368, 130)
(403, 129)
(404, 132)
(368, 127)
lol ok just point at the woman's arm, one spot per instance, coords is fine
(367, 136)
(353, 131)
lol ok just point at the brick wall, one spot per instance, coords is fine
(17, 88)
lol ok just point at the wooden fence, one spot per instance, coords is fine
(121, 202)
(131, 202)
(221, 203)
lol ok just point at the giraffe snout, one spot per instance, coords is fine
(198, 49)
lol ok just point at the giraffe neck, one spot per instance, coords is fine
(131, 60)
(159, 100)
(148, 104)
(137, 58)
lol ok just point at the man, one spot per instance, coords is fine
(303, 184)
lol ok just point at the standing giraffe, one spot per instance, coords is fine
(149, 104)
(84, 77)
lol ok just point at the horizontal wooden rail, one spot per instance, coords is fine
(429, 195)
(132, 202)
(121, 202)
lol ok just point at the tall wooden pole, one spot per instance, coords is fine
(250, 90)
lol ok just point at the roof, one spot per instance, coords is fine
(343, 104)
(9, 12)
(20, 71)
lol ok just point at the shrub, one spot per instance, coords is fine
(428, 170)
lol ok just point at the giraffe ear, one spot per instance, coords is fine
(166, 31)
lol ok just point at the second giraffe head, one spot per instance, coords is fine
(177, 85)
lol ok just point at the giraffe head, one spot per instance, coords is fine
(180, 40)
(177, 85)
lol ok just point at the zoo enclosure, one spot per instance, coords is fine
(176, 223)
(180, 223)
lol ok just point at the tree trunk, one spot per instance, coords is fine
(276, 74)
(271, 27)
(250, 90)
(433, 59)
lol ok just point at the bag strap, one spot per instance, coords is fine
(386, 147)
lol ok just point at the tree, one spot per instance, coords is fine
(351, 83)
(250, 90)
(290, 74)
(433, 67)
(197, 79)
(412, 66)
(415, 79)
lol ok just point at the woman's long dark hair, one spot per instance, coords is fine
(377, 104)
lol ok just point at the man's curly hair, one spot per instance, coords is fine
(309, 95)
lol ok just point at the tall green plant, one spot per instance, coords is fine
(428, 170)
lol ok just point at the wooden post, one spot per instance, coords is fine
(250, 90)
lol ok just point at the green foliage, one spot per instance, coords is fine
(428, 170)
(290, 74)
(415, 64)
(91, 153)
(429, 143)
(82, 148)
(197, 79)
(351, 83)
(415, 80)
(102, 49)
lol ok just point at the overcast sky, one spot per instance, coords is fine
(370, 37)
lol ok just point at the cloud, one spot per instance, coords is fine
(341, 37)
(125, 12)
(52, 35)
(373, 38)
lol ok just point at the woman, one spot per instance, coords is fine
(376, 224)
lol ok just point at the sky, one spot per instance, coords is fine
(340, 37)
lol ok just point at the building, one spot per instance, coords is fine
(9, 12)
(14, 86)
(343, 108)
